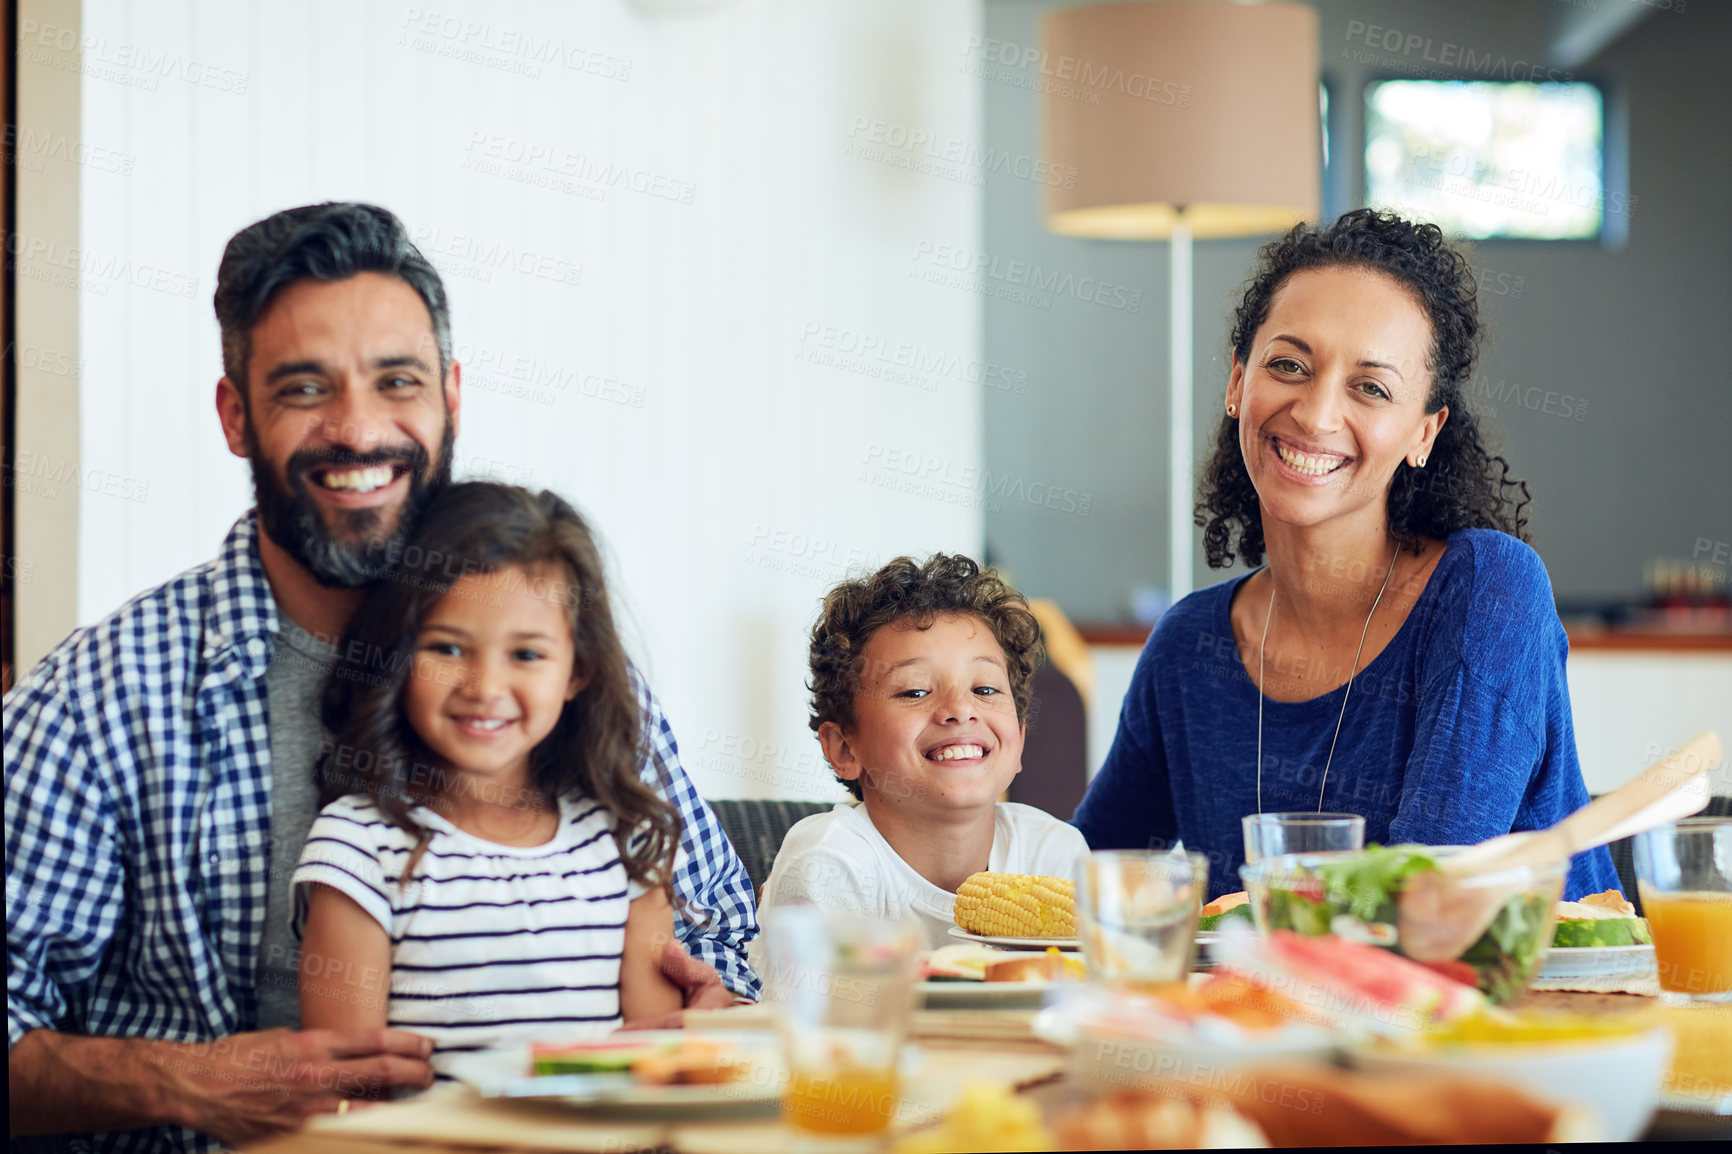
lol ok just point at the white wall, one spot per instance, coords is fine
(717, 459)
(1633, 707)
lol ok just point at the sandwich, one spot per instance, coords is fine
(967, 963)
(1603, 919)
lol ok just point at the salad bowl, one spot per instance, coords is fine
(1358, 896)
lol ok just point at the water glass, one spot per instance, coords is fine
(1137, 915)
(1273, 834)
(1684, 874)
(842, 987)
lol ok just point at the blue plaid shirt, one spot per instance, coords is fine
(138, 824)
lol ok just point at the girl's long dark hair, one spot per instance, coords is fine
(597, 747)
(1463, 485)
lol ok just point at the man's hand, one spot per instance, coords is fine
(252, 1086)
(239, 1089)
(698, 981)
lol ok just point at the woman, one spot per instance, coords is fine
(1402, 635)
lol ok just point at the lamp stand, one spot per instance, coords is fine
(1179, 535)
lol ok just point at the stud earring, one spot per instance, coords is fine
(1232, 410)
(1419, 464)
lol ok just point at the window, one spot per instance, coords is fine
(1488, 159)
(1323, 118)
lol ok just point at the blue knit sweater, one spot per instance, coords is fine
(1458, 731)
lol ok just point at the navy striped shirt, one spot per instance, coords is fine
(490, 944)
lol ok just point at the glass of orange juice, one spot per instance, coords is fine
(842, 987)
(1684, 874)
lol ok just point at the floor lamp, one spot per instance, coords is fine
(1181, 121)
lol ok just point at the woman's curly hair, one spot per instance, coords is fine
(918, 594)
(1463, 485)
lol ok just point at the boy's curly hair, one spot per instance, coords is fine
(918, 593)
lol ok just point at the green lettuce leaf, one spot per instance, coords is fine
(1367, 882)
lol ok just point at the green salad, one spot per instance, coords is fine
(1357, 897)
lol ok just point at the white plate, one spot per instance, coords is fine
(1014, 943)
(983, 995)
(1618, 1078)
(1596, 961)
(502, 1073)
(1711, 1106)
(1205, 942)
(1106, 1061)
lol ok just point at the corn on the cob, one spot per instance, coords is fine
(1017, 905)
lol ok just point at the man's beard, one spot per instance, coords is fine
(361, 554)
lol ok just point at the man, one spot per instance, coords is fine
(159, 764)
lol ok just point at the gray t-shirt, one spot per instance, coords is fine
(299, 665)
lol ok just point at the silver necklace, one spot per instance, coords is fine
(1262, 656)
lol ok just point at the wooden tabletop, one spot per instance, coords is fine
(452, 1119)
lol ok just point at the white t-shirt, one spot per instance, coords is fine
(839, 860)
(490, 944)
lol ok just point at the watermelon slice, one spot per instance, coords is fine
(1235, 906)
(1458, 971)
(551, 1059)
(1387, 979)
(1592, 932)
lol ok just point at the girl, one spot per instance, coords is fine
(488, 866)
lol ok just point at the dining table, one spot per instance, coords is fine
(954, 1047)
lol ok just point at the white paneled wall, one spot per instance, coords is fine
(734, 479)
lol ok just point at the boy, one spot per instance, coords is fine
(921, 681)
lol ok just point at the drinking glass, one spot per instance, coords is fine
(1684, 874)
(1273, 834)
(1137, 915)
(842, 987)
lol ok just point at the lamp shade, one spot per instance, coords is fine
(1209, 108)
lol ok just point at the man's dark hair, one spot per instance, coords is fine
(915, 593)
(327, 242)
